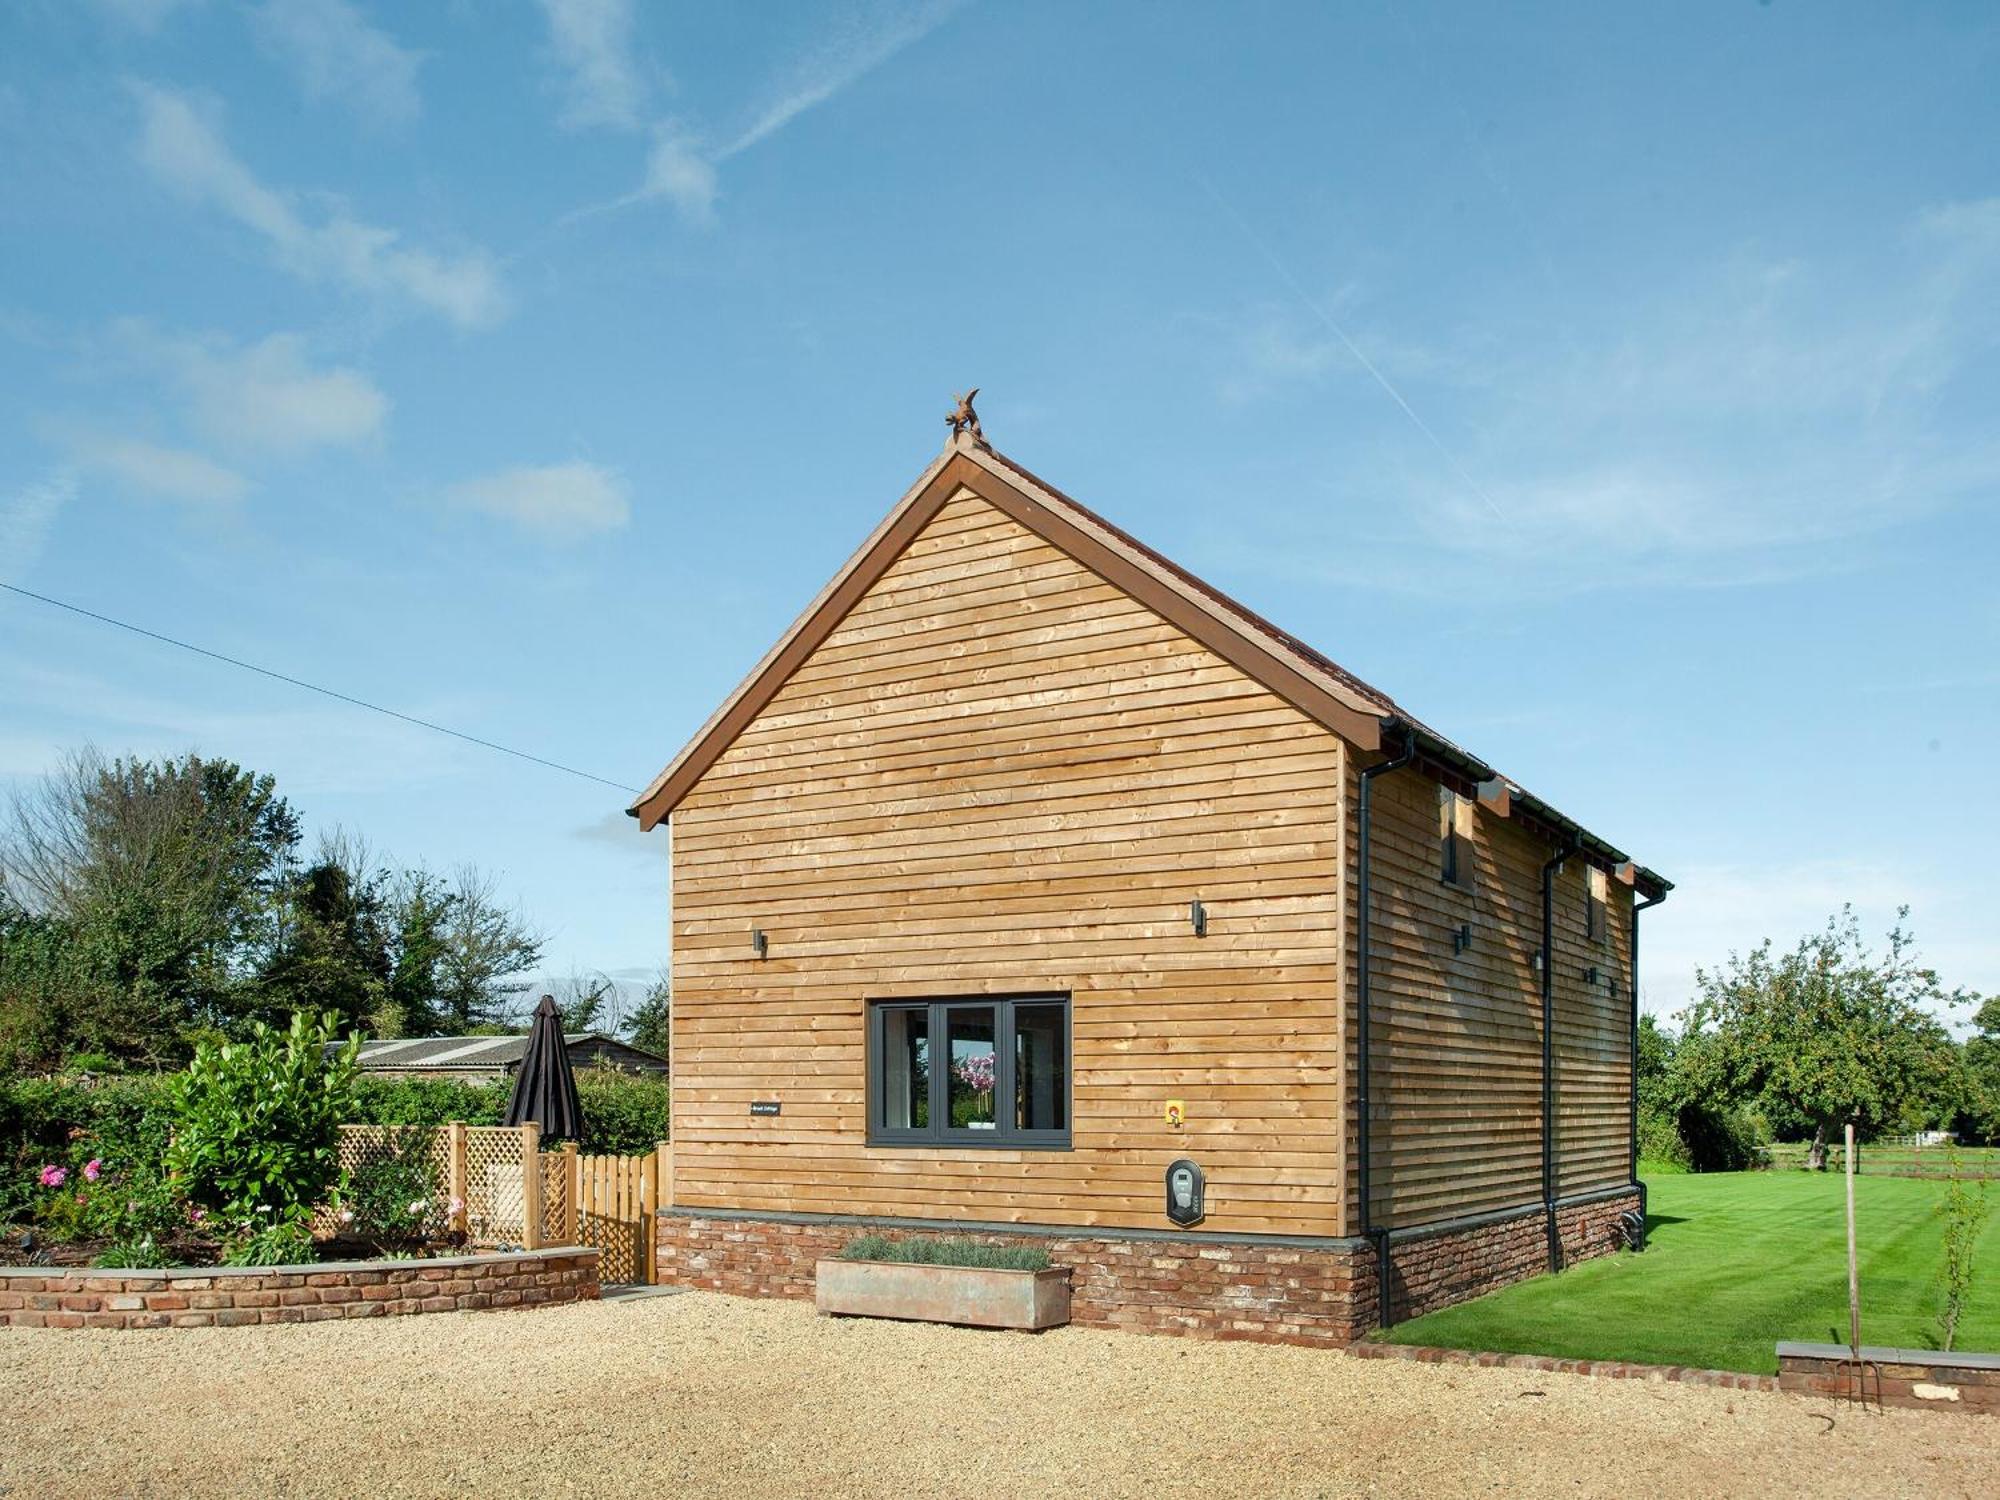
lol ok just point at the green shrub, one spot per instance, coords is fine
(429, 1101)
(142, 1254)
(1722, 1139)
(257, 1122)
(285, 1241)
(624, 1114)
(879, 1247)
(1964, 1213)
(1660, 1139)
(1698, 1138)
(388, 1198)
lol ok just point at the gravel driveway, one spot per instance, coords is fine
(707, 1395)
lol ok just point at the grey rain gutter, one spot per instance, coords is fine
(1638, 906)
(1363, 1125)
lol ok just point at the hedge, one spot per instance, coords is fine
(123, 1119)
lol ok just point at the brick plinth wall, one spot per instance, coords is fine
(1428, 1271)
(229, 1296)
(1922, 1378)
(1272, 1291)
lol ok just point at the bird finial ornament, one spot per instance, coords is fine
(964, 419)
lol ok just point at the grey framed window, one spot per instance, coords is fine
(990, 1071)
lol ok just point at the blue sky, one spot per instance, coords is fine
(1614, 389)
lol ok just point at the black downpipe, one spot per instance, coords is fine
(1637, 907)
(1364, 1132)
(1567, 852)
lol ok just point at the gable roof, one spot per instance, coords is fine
(1310, 681)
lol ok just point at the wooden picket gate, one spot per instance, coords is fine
(608, 1202)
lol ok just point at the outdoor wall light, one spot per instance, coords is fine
(1535, 961)
(1461, 938)
(759, 944)
(1590, 975)
(1198, 918)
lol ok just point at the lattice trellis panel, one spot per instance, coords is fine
(496, 1196)
(556, 1222)
(363, 1146)
(483, 1166)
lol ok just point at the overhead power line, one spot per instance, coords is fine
(313, 687)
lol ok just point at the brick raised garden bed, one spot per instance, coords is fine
(229, 1296)
(1922, 1378)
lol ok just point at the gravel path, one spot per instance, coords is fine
(708, 1395)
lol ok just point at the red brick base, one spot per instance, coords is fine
(229, 1296)
(1428, 1271)
(1923, 1379)
(1268, 1290)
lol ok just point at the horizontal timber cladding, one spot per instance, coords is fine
(1456, 1032)
(1001, 775)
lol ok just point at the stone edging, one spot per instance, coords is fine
(1607, 1369)
(232, 1296)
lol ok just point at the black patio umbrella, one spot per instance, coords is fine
(545, 1088)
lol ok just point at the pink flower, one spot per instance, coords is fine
(92, 1170)
(457, 1207)
(976, 1071)
(53, 1176)
(196, 1215)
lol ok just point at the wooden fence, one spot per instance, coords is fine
(609, 1202)
(487, 1192)
(1887, 1159)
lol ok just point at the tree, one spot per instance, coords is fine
(334, 956)
(160, 878)
(646, 1026)
(1979, 1111)
(582, 999)
(485, 947)
(1830, 1030)
(419, 907)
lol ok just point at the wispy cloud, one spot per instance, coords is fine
(594, 43)
(1716, 910)
(560, 502)
(156, 469)
(336, 55)
(183, 149)
(682, 166)
(1730, 433)
(26, 518)
(267, 397)
(862, 43)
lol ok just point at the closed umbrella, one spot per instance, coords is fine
(545, 1088)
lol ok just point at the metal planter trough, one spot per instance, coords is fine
(975, 1296)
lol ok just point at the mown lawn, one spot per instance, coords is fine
(1734, 1263)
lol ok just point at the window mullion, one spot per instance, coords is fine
(1004, 1122)
(940, 1049)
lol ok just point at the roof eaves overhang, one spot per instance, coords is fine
(1466, 772)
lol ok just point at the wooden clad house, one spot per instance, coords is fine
(1026, 865)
